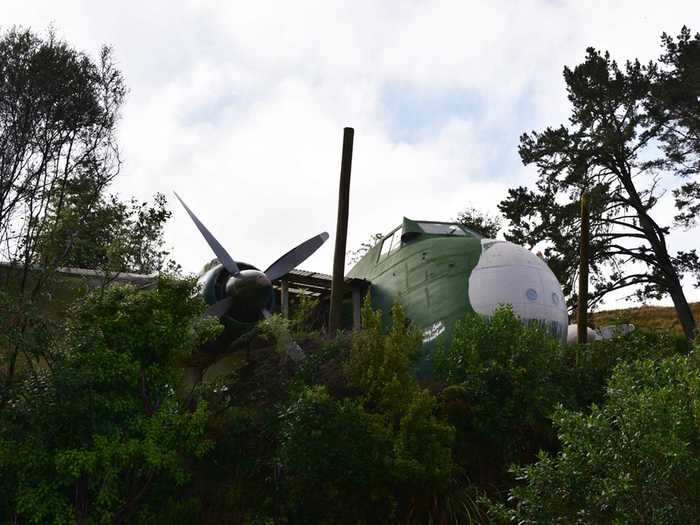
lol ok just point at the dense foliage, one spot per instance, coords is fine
(505, 373)
(483, 223)
(633, 459)
(348, 435)
(375, 455)
(98, 434)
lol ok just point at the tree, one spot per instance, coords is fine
(58, 115)
(675, 104)
(359, 253)
(482, 223)
(611, 151)
(91, 230)
(99, 432)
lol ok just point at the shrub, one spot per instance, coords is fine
(336, 456)
(101, 432)
(382, 455)
(635, 459)
(380, 366)
(588, 368)
(501, 372)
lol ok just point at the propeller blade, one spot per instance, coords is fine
(219, 308)
(221, 254)
(295, 257)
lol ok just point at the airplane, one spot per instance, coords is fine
(439, 272)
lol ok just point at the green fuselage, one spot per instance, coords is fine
(427, 274)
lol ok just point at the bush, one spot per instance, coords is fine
(588, 368)
(380, 366)
(336, 456)
(381, 455)
(101, 434)
(635, 459)
(502, 389)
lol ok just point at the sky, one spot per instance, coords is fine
(240, 106)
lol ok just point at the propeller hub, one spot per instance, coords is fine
(251, 288)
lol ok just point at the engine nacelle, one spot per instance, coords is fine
(250, 290)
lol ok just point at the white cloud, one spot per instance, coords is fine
(240, 105)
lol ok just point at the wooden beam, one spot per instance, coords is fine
(284, 298)
(356, 308)
(308, 281)
(582, 321)
(341, 233)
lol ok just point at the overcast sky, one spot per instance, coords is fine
(240, 106)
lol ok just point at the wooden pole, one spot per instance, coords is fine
(341, 233)
(284, 298)
(356, 308)
(582, 314)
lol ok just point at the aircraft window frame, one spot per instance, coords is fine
(442, 228)
(389, 244)
(384, 250)
(395, 241)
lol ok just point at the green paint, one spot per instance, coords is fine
(428, 275)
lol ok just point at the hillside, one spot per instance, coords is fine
(650, 317)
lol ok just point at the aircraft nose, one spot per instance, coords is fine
(248, 283)
(510, 274)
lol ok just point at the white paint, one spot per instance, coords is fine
(603, 334)
(433, 332)
(572, 335)
(510, 274)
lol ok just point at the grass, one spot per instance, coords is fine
(646, 317)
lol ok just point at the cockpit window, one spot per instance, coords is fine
(391, 243)
(396, 240)
(437, 228)
(386, 246)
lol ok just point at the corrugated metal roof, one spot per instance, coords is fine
(306, 273)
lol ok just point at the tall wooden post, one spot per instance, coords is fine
(284, 298)
(341, 233)
(582, 314)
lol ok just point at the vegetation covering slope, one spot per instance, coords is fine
(104, 434)
(646, 317)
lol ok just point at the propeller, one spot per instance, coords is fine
(251, 288)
